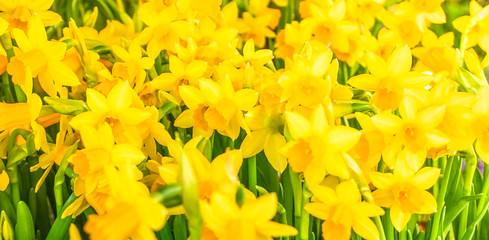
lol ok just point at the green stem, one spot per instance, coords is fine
(470, 167)
(485, 188)
(304, 227)
(441, 198)
(252, 179)
(14, 183)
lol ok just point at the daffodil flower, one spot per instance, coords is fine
(215, 107)
(318, 148)
(43, 57)
(404, 192)
(252, 220)
(389, 79)
(343, 209)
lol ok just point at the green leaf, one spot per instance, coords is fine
(61, 225)
(24, 228)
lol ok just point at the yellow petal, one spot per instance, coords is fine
(96, 101)
(348, 191)
(382, 180)
(365, 81)
(369, 209)
(196, 69)
(276, 229)
(399, 219)
(429, 204)
(4, 180)
(191, 96)
(176, 66)
(122, 153)
(426, 177)
(400, 61)
(376, 65)
(364, 227)
(246, 99)
(133, 116)
(120, 96)
(343, 138)
(387, 122)
(211, 90)
(185, 119)
(36, 30)
(274, 142)
(297, 124)
(254, 142)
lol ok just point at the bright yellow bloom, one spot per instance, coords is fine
(43, 57)
(390, 79)
(92, 163)
(318, 148)
(123, 110)
(477, 25)
(252, 220)
(19, 12)
(180, 74)
(164, 27)
(437, 54)
(133, 65)
(215, 106)
(412, 134)
(306, 81)
(133, 214)
(404, 192)
(343, 210)
(265, 135)
(291, 39)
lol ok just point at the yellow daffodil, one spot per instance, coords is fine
(134, 214)
(180, 74)
(19, 12)
(306, 82)
(342, 210)
(43, 57)
(475, 26)
(122, 109)
(164, 28)
(390, 79)
(292, 38)
(265, 135)
(412, 134)
(404, 192)
(318, 148)
(92, 163)
(436, 54)
(215, 106)
(134, 64)
(252, 220)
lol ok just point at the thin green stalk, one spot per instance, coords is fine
(252, 179)
(470, 167)
(59, 178)
(304, 227)
(441, 198)
(14, 184)
(485, 188)
(297, 191)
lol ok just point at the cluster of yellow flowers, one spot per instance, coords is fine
(347, 97)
